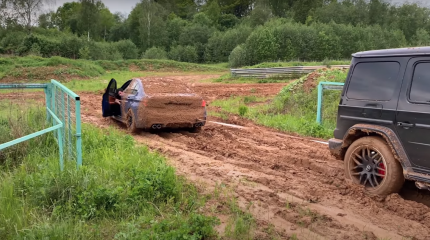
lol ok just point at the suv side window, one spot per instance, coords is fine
(420, 89)
(373, 81)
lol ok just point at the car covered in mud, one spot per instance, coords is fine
(154, 104)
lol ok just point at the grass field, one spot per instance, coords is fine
(228, 78)
(123, 191)
(31, 68)
(301, 63)
(101, 82)
(292, 110)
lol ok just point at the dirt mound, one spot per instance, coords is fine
(311, 81)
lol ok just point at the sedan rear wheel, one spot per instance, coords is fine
(131, 122)
(370, 162)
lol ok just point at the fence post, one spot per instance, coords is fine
(78, 132)
(69, 132)
(53, 96)
(60, 147)
(332, 86)
(63, 111)
(320, 99)
(48, 101)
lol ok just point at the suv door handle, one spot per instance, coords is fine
(405, 125)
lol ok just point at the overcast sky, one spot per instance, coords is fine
(125, 6)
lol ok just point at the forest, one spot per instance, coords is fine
(241, 32)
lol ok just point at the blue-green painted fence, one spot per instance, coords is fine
(63, 110)
(321, 87)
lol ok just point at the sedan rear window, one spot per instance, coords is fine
(374, 81)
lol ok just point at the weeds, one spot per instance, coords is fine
(122, 192)
(300, 63)
(294, 108)
(38, 68)
(241, 224)
(243, 110)
(250, 99)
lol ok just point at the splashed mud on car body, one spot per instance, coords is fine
(154, 103)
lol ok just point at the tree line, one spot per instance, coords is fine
(243, 32)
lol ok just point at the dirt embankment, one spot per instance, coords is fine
(289, 183)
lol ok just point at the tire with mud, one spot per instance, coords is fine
(131, 122)
(195, 129)
(369, 161)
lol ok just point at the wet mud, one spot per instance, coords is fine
(289, 183)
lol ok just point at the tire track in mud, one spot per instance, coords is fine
(290, 171)
(272, 171)
(292, 183)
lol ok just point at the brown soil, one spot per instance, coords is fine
(290, 183)
(164, 85)
(311, 82)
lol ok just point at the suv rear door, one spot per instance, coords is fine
(370, 93)
(413, 113)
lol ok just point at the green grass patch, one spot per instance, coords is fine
(101, 82)
(228, 78)
(240, 224)
(300, 63)
(123, 191)
(29, 68)
(293, 109)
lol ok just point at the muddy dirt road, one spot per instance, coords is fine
(291, 183)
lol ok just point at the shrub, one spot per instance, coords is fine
(261, 46)
(48, 47)
(127, 49)
(84, 53)
(34, 50)
(155, 53)
(104, 51)
(183, 54)
(243, 110)
(220, 44)
(70, 47)
(11, 42)
(238, 57)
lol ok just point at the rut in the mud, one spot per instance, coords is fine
(281, 170)
(290, 170)
(291, 183)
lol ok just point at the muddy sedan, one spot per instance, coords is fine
(154, 104)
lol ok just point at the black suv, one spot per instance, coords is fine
(383, 123)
